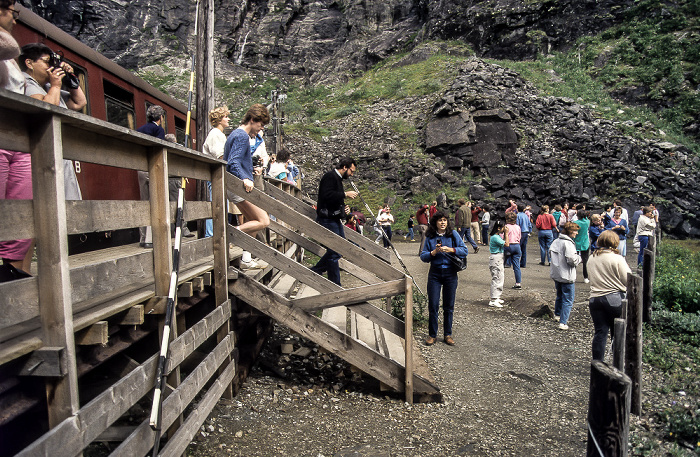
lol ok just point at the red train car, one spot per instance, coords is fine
(114, 94)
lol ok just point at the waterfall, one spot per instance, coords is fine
(240, 56)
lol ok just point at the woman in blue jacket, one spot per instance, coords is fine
(443, 246)
(618, 225)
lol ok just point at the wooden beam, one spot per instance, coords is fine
(350, 296)
(46, 361)
(52, 264)
(17, 221)
(20, 303)
(608, 411)
(14, 349)
(408, 345)
(14, 135)
(97, 333)
(311, 327)
(198, 284)
(185, 290)
(303, 208)
(74, 433)
(207, 278)
(315, 230)
(633, 342)
(133, 316)
(116, 433)
(317, 282)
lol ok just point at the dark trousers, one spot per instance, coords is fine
(466, 234)
(584, 260)
(523, 248)
(329, 261)
(387, 238)
(445, 279)
(604, 310)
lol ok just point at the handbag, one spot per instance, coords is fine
(460, 263)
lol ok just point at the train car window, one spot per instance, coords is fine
(165, 118)
(180, 126)
(81, 73)
(120, 105)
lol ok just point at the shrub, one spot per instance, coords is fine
(398, 304)
(677, 281)
(683, 424)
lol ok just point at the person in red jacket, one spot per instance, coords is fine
(422, 219)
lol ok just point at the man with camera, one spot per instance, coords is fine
(330, 210)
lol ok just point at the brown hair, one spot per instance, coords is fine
(511, 218)
(570, 228)
(256, 113)
(217, 114)
(545, 208)
(607, 241)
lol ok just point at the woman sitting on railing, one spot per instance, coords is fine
(214, 147)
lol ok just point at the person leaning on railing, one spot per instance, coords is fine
(15, 166)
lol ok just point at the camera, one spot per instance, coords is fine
(258, 162)
(56, 61)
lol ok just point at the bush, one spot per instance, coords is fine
(683, 424)
(398, 304)
(677, 281)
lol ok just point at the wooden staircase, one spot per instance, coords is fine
(349, 326)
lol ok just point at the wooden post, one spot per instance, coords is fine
(619, 342)
(56, 310)
(408, 320)
(608, 412)
(633, 344)
(204, 69)
(648, 272)
(219, 218)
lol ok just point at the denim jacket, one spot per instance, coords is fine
(441, 260)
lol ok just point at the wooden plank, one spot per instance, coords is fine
(207, 277)
(608, 411)
(408, 357)
(178, 444)
(317, 282)
(14, 135)
(76, 432)
(54, 289)
(338, 317)
(185, 290)
(16, 348)
(47, 361)
(20, 303)
(198, 284)
(633, 340)
(17, 221)
(133, 316)
(303, 208)
(160, 218)
(115, 433)
(363, 330)
(96, 147)
(309, 326)
(140, 441)
(190, 166)
(350, 296)
(97, 333)
(316, 231)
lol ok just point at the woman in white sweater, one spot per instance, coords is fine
(608, 274)
(646, 225)
(214, 147)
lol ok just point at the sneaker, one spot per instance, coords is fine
(563, 327)
(252, 265)
(495, 304)
(586, 281)
(429, 341)
(517, 286)
(500, 300)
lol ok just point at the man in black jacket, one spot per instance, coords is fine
(330, 209)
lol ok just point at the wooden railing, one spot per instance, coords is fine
(89, 300)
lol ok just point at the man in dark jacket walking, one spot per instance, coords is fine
(330, 210)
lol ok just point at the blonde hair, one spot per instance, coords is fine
(217, 114)
(607, 241)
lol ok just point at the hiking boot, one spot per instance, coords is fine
(449, 340)
(429, 341)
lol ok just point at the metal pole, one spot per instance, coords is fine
(161, 374)
(398, 256)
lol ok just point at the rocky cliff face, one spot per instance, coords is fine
(326, 40)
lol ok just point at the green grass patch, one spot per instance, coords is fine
(677, 281)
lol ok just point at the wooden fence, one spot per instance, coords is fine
(616, 391)
(80, 312)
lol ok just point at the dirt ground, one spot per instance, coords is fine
(513, 386)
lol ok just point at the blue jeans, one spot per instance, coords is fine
(445, 278)
(411, 235)
(523, 249)
(622, 247)
(545, 238)
(485, 233)
(643, 243)
(604, 310)
(329, 261)
(466, 234)
(564, 301)
(512, 255)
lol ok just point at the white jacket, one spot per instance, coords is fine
(564, 259)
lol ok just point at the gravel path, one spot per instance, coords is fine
(513, 386)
